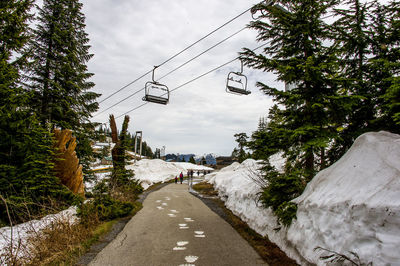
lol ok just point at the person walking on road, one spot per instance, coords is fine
(181, 177)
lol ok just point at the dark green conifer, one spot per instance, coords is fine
(60, 78)
(27, 179)
(311, 111)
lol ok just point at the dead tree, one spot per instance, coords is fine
(120, 175)
(67, 166)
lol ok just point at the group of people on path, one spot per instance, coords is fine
(190, 175)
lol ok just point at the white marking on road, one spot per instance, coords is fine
(182, 243)
(199, 234)
(179, 248)
(191, 258)
(171, 215)
(183, 226)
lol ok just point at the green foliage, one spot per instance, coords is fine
(27, 180)
(105, 208)
(120, 175)
(281, 189)
(109, 203)
(59, 77)
(343, 82)
(191, 160)
(240, 154)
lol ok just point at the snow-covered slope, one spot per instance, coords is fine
(352, 206)
(154, 171)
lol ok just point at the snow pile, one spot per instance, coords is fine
(352, 206)
(237, 188)
(278, 161)
(155, 171)
(189, 166)
(21, 232)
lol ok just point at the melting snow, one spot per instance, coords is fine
(352, 206)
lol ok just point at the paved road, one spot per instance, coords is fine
(176, 228)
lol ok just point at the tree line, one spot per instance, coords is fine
(44, 84)
(341, 64)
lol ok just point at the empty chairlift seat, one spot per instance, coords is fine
(236, 83)
(156, 92)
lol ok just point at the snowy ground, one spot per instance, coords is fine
(151, 171)
(20, 233)
(352, 206)
(154, 171)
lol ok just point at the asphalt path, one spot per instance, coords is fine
(176, 228)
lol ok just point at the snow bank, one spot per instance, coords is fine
(189, 166)
(354, 205)
(236, 186)
(21, 232)
(154, 171)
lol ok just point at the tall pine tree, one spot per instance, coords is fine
(306, 117)
(352, 40)
(60, 77)
(26, 170)
(310, 112)
(387, 62)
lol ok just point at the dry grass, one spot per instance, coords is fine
(269, 251)
(58, 242)
(205, 189)
(61, 241)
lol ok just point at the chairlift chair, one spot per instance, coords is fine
(156, 92)
(236, 83)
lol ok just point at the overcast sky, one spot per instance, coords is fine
(129, 37)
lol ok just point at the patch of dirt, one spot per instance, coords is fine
(269, 251)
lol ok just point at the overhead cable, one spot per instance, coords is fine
(175, 69)
(192, 80)
(177, 54)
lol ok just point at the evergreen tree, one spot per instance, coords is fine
(307, 117)
(270, 136)
(385, 64)
(351, 37)
(120, 175)
(241, 139)
(315, 107)
(26, 171)
(60, 78)
(191, 160)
